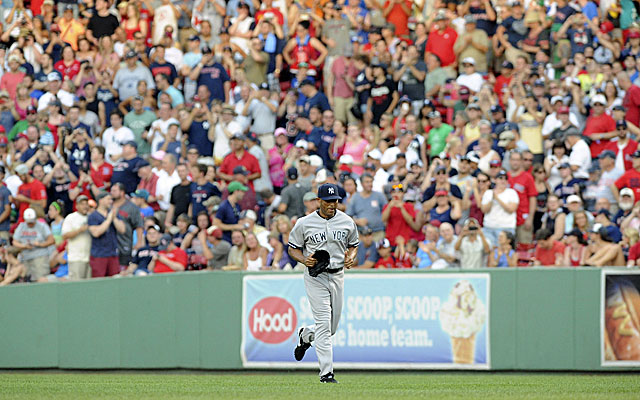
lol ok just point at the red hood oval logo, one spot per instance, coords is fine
(272, 320)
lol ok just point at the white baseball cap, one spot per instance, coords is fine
(315, 161)
(627, 192)
(555, 99)
(599, 99)
(469, 60)
(574, 199)
(29, 215)
(346, 159)
(302, 144)
(375, 154)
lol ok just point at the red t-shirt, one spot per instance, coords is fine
(176, 254)
(502, 82)
(631, 102)
(630, 179)
(150, 186)
(634, 252)
(272, 10)
(441, 44)
(247, 160)
(389, 262)
(396, 225)
(526, 187)
(34, 190)
(86, 190)
(102, 174)
(68, 72)
(631, 146)
(398, 17)
(547, 257)
(599, 124)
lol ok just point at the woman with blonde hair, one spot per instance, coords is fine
(107, 59)
(23, 100)
(255, 258)
(630, 246)
(236, 254)
(133, 23)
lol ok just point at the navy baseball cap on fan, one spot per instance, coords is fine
(636, 154)
(496, 108)
(607, 153)
(328, 192)
(292, 173)
(306, 81)
(131, 143)
(240, 169)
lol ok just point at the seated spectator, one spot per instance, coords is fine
(504, 254)
(11, 269)
(367, 255)
(445, 248)
(602, 251)
(631, 238)
(143, 256)
(195, 242)
(603, 217)
(386, 260)
(554, 218)
(575, 208)
(406, 254)
(255, 257)
(170, 258)
(575, 250)
(548, 252)
(426, 254)
(216, 250)
(472, 246)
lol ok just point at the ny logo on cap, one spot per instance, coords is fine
(330, 190)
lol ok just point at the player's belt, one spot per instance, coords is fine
(333, 271)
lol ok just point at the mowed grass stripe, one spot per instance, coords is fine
(303, 386)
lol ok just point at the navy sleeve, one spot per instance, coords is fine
(455, 191)
(428, 194)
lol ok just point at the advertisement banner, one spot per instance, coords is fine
(412, 321)
(620, 318)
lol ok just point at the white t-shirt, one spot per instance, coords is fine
(244, 26)
(581, 156)
(79, 247)
(164, 186)
(498, 217)
(221, 144)
(164, 16)
(163, 126)
(112, 140)
(473, 82)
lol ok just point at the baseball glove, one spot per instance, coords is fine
(323, 260)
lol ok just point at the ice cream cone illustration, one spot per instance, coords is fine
(462, 317)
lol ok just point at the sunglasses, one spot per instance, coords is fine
(501, 177)
(538, 172)
(441, 173)
(397, 188)
(483, 180)
(622, 128)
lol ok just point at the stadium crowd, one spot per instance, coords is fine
(150, 136)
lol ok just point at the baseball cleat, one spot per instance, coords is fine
(328, 378)
(301, 348)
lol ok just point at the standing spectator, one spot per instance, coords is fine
(101, 171)
(304, 48)
(102, 23)
(397, 13)
(472, 246)
(580, 158)
(438, 134)
(225, 128)
(383, 95)
(31, 192)
(198, 125)
(312, 98)
(125, 171)
(366, 206)
(239, 157)
(168, 177)
(34, 237)
(622, 147)
(5, 206)
(138, 121)
(212, 75)
(228, 215)
(600, 127)
(411, 74)
(499, 206)
(104, 225)
(630, 179)
(472, 43)
(114, 138)
(75, 230)
(261, 107)
(291, 198)
(631, 101)
(126, 79)
(201, 190)
(131, 218)
(264, 181)
(400, 217)
(446, 248)
(339, 85)
(442, 39)
(469, 77)
(512, 32)
(522, 182)
(322, 136)
(180, 199)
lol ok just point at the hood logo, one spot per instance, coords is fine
(272, 320)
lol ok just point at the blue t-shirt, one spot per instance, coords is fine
(4, 200)
(79, 157)
(579, 39)
(200, 193)
(229, 215)
(322, 139)
(105, 245)
(142, 257)
(320, 100)
(213, 77)
(174, 148)
(126, 172)
(199, 136)
(516, 29)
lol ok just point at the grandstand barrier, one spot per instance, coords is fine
(539, 319)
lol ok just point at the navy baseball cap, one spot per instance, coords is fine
(496, 108)
(607, 153)
(621, 124)
(328, 191)
(131, 143)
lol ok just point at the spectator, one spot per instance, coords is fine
(125, 170)
(622, 148)
(366, 208)
(474, 44)
(212, 75)
(228, 215)
(575, 250)
(75, 230)
(630, 179)
(102, 23)
(254, 148)
(142, 257)
(217, 249)
(442, 39)
(180, 198)
(115, 136)
(445, 248)
(503, 254)
(499, 206)
(603, 251)
(30, 193)
(554, 218)
(239, 157)
(472, 246)
(34, 238)
(367, 250)
(201, 189)
(131, 218)
(5, 206)
(104, 225)
(399, 216)
(600, 127)
(522, 182)
(548, 252)
(126, 79)
(261, 108)
(255, 257)
(291, 199)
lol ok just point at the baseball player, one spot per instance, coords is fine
(334, 232)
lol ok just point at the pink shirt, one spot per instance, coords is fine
(357, 152)
(276, 164)
(340, 70)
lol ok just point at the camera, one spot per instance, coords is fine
(473, 228)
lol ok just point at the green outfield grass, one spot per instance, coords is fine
(304, 386)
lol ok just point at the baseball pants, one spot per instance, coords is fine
(325, 294)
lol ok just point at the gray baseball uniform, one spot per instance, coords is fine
(325, 292)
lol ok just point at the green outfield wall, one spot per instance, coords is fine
(540, 319)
